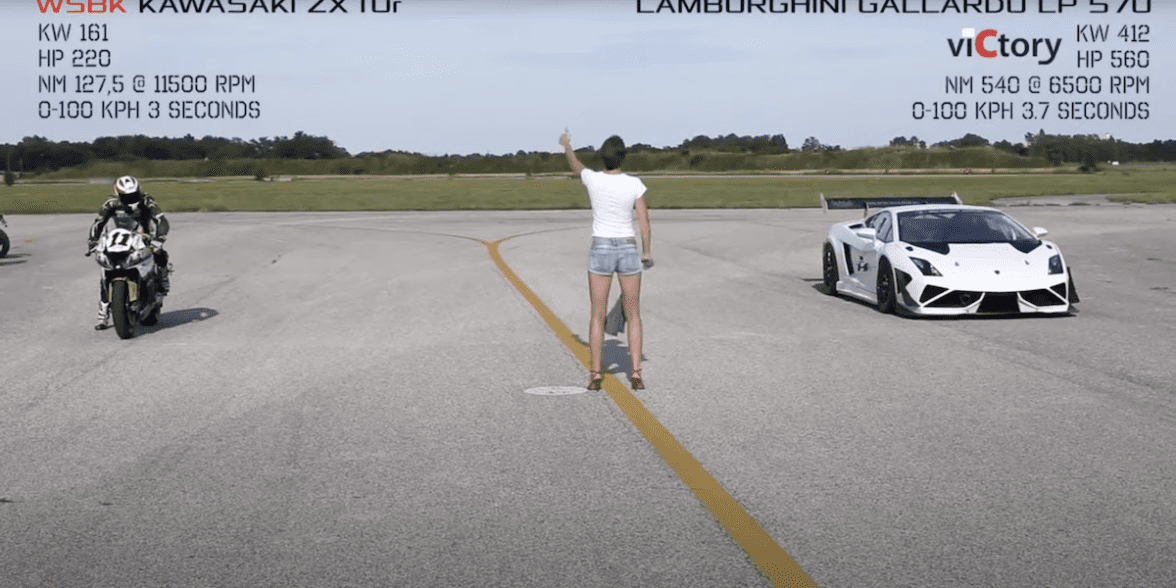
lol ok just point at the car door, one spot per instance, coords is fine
(883, 226)
(864, 245)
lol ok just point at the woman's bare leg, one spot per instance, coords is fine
(631, 299)
(598, 287)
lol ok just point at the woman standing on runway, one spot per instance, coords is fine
(614, 196)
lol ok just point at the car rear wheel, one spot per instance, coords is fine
(885, 287)
(829, 269)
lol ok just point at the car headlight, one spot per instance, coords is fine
(925, 267)
(1055, 265)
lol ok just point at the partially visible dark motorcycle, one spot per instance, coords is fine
(3, 238)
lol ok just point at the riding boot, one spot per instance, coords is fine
(165, 279)
(103, 316)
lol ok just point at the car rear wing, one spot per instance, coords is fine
(866, 204)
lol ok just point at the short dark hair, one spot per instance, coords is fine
(613, 152)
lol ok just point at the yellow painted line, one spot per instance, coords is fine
(768, 556)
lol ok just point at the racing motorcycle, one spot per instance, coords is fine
(130, 275)
(3, 238)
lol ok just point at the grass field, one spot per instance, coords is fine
(1144, 183)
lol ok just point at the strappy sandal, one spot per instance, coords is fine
(595, 380)
(635, 380)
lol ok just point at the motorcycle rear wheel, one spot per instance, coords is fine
(120, 310)
(153, 317)
(3, 244)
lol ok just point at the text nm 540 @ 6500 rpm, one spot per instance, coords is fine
(133, 109)
(1031, 110)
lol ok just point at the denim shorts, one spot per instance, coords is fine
(609, 255)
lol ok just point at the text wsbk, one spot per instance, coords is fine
(81, 6)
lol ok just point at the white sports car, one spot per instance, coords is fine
(937, 256)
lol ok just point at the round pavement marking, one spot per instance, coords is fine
(556, 390)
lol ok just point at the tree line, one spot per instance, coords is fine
(1059, 149)
(40, 155)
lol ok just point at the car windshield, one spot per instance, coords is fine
(960, 226)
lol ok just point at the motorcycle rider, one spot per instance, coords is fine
(130, 199)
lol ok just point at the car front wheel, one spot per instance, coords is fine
(885, 287)
(829, 269)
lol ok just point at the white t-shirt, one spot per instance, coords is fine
(612, 196)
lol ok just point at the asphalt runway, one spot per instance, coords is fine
(339, 399)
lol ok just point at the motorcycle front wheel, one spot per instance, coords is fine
(120, 310)
(3, 244)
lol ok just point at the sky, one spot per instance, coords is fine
(491, 76)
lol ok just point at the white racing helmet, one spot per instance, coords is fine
(127, 190)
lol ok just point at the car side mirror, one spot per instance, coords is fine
(1039, 232)
(867, 233)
